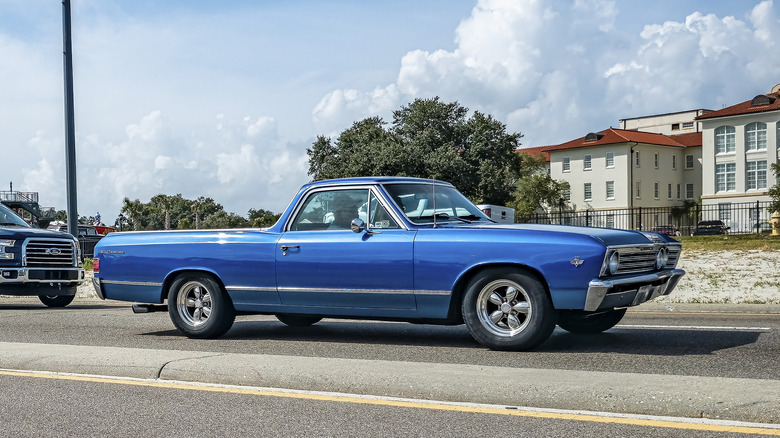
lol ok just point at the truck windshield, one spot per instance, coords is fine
(8, 217)
(418, 203)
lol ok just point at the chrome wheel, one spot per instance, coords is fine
(504, 308)
(194, 303)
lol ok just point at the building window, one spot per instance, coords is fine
(586, 162)
(674, 162)
(726, 177)
(687, 125)
(675, 126)
(724, 211)
(689, 161)
(610, 159)
(567, 194)
(655, 161)
(638, 189)
(656, 190)
(610, 189)
(689, 191)
(678, 191)
(669, 192)
(725, 139)
(566, 164)
(756, 175)
(588, 192)
(755, 136)
(636, 158)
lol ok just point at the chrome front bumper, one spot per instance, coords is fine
(42, 275)
(630, 291)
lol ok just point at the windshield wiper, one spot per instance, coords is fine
(445, 216)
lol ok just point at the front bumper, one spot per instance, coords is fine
(630, 291)
(23, 281)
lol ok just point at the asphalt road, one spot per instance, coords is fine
(716, 362)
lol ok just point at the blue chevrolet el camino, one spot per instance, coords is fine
(390, 248)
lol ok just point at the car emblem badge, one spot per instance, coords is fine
(577, 261)
(53, 251)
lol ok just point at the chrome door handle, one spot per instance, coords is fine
(286, 247)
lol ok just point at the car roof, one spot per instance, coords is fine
(374, 180)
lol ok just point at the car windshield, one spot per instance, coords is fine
(8, 217)
(420, 205)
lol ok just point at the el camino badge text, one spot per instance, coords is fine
(577, 261)
(111, 252)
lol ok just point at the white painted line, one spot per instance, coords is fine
(695, 327)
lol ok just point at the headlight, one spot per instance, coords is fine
(3, 244)
(614, 262)
(661, 258)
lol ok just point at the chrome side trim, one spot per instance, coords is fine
(363, 291)
(132, 283)
(253, 288)
(598, 289)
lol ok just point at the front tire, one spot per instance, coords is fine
(579, 322)
(56, 300)
(199, 307)
(507, 309)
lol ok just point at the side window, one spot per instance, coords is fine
(378, 216)
(331, 210)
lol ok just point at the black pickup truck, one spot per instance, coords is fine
(38, 262)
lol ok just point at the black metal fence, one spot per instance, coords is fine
(741, 218)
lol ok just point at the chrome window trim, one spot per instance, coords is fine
(423, 183)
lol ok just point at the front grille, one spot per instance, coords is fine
(636, 259)
(674, 255)
(48, 253)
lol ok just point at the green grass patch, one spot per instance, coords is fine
(731, 242)
(87, 265)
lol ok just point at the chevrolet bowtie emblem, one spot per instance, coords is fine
(577, 262)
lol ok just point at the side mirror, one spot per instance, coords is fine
(357, 225)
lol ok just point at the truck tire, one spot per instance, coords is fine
(199, 307)
(508, 309)
(56, 300)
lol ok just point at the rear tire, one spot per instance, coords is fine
(199, 307)
(507, 309)
(56, 300)
(577, 321)
(298, 320)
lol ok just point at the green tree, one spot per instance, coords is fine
(262, 218)
(536, 191)
(427, 139)
(134, 212)
(223, 219)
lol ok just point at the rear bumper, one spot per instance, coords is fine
(98, 288)
(630, 291)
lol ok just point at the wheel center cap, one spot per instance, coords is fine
(506, 307)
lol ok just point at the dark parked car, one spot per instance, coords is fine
(709, 228)
(669, 230)
(88, 238)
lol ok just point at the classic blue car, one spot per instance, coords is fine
(391, 248)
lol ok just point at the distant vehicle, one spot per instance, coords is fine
(503, 215)
(88, 236)
(762, 227)
(36, 262)
(669, 230)
(710, 228)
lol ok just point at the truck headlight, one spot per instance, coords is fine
(661, 258)
(3, 244)
(614, 263)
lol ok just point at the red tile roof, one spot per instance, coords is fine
(745, 108)
(616, 136)
(536, 151)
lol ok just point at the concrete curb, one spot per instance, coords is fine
(667, 395)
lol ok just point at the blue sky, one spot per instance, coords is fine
(221, 99)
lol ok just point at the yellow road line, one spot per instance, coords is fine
(378, 401)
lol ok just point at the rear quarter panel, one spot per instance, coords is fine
(134, 266)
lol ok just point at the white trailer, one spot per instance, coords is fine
(498, 213)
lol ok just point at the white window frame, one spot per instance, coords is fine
(725, 139)
(610, 190)
(655, 161)
(669, 191)
(674, 162)
(755, 136)
(689, 162)
(636, 158)
(725, 177)
(610, 160)
(587, 162)
(566, 163)
(689, 191)
(755, 175)
(638, 190)
(656, 190)
(587, 189)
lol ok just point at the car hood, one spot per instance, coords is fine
(18, 233)
(609, 236)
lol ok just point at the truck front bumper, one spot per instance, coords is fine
(35, 281)
(630, 291)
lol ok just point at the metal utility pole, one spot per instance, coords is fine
(70, 125)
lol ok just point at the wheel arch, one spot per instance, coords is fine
(173, 275)
(459, 290)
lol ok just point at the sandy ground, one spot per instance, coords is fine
(712, 277)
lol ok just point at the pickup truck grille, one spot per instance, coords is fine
(49, 252)
(642, 259)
